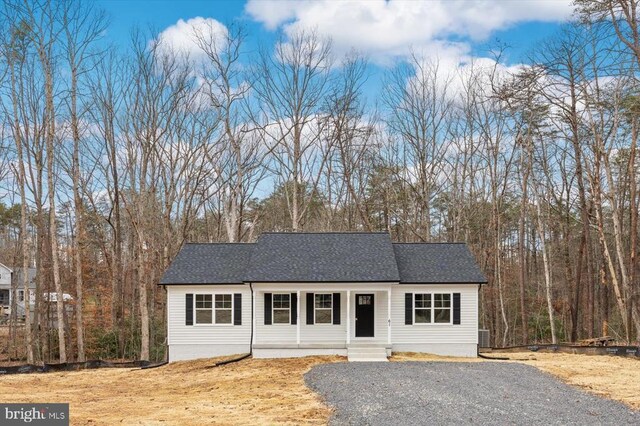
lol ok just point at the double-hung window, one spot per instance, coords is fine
(432, 308)
(282, 308)
(422, 308)
(208, 312)
(223, 309)
(442, 308)
(323, 307)
(204, 313)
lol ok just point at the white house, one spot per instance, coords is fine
(7, 275)
(5, 285)
(297, 294)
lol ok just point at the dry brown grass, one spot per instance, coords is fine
(613, 377)
(249, 392)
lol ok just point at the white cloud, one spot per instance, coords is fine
(182, 37)
(388, 28)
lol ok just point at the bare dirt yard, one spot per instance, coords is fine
(261, 391)
(184, 393)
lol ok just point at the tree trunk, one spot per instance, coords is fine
(24, 232)
(79, 210)
(53, 225)
(547, 273)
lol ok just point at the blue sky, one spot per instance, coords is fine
(383, 29)
(454, 32)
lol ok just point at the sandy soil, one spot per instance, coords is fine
(249, 392)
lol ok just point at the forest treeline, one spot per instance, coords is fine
(112, 157)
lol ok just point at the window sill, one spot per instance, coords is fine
(213, 325)
(422, 324)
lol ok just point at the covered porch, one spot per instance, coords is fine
(303, 319)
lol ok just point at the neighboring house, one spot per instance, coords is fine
(297, 294)
(5, 285)
(7, 275)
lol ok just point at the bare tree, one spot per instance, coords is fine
(239, 166)
(420, 106)
(83, 26)
(291, 85)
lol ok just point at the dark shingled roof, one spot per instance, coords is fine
(323, 257)
(217, 263)
(437, 263)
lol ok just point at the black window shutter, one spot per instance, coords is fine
(237, 309)
(336, 308)
(294, 308)
(310, 308)
(408, 308)
(189, 309)
(267, 309)
(456, 308)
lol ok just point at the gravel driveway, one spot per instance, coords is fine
(401, 393)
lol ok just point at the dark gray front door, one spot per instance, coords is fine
(364, 315)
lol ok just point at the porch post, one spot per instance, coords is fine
(389, 316)
(298, 318)
(348, 317)
(253, 316)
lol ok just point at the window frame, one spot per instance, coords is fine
(213, 322)
(273, 309)
(230, 309)
(429, 309)
(432, 309)
(315, 310)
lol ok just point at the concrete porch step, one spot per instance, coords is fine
(367, 353)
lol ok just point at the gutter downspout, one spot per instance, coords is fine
(252, 315)
(166, 336)
(245, 356)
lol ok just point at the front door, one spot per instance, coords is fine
(364, 315)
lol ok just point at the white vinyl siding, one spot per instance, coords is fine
(458, 339)
(323, 333)
(465, 332)
(206, 334)
(277, 333)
